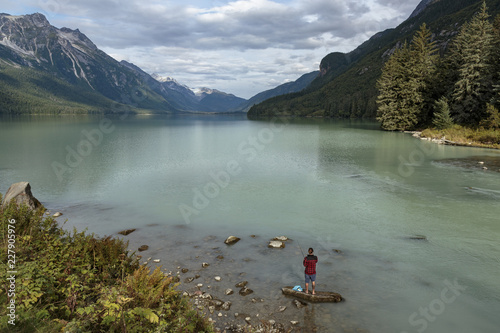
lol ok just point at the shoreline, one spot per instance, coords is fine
(212, 276)
(446, 142)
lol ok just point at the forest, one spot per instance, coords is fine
(421, 88)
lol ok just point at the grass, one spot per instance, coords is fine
(467, 136)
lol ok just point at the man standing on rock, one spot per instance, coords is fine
(310, 272)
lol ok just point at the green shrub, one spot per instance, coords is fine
(76, 282)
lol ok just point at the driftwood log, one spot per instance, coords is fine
(320, 297)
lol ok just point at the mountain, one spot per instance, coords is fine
(346, 86)
(286, 88)
(65, 65)
(44, 69)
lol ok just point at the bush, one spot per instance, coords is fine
(75, 282)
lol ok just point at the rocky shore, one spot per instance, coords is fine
(220, 287)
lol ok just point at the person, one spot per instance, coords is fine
(310, 262)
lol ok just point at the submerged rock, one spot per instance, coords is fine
(231, 240)
(241, 284)
(143, 248)
(126, 232)
(245, 291)
(21, 194)
(418, 237)
(299, 304)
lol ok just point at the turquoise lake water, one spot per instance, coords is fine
(327, 184)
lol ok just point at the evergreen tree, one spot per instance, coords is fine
(472, 54)
(405, 85)
(492, 121)
(442, 118)
(496, 58)
(424, 58)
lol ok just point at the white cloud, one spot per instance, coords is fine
(237, 46)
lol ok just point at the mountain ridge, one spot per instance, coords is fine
(346, 88)
(75, 69)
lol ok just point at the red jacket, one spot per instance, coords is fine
(310, 264)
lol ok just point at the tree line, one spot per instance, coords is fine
(421, 88)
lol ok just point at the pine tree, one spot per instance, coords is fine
(424, 58)
(405, 85)
(473, 56)
(393, 112)
(492, 121)
(442, 118)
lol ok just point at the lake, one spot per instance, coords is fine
(187, 182)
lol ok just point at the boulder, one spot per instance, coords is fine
(280, 238)
(231, 240)
(241, 284)
(276, 244)
(21, 194)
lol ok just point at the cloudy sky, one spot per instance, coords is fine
(237, 46)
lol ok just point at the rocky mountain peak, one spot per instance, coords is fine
(421, 7)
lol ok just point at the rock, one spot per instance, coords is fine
(280, 238)
(156, 260)
(241, 284)
(184, 270)
(143, 248)
(299, 304)
(57, 214)
(219, 315)
(220, 257)
(189, 279)
(229, 291)
(205, 264)
(126, 232)
(247, 319)
(276, 244)
(245, 291)
(199, 285)
(272, 322)
(21, 194)
(337, 251)
(294, 322)
(282, 308)
(480, 162)
(231, 240)
(211, 308)
(216, 303)
(226, 306)
(217, 278)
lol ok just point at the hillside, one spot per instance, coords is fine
(346, 86)
(46, 70)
